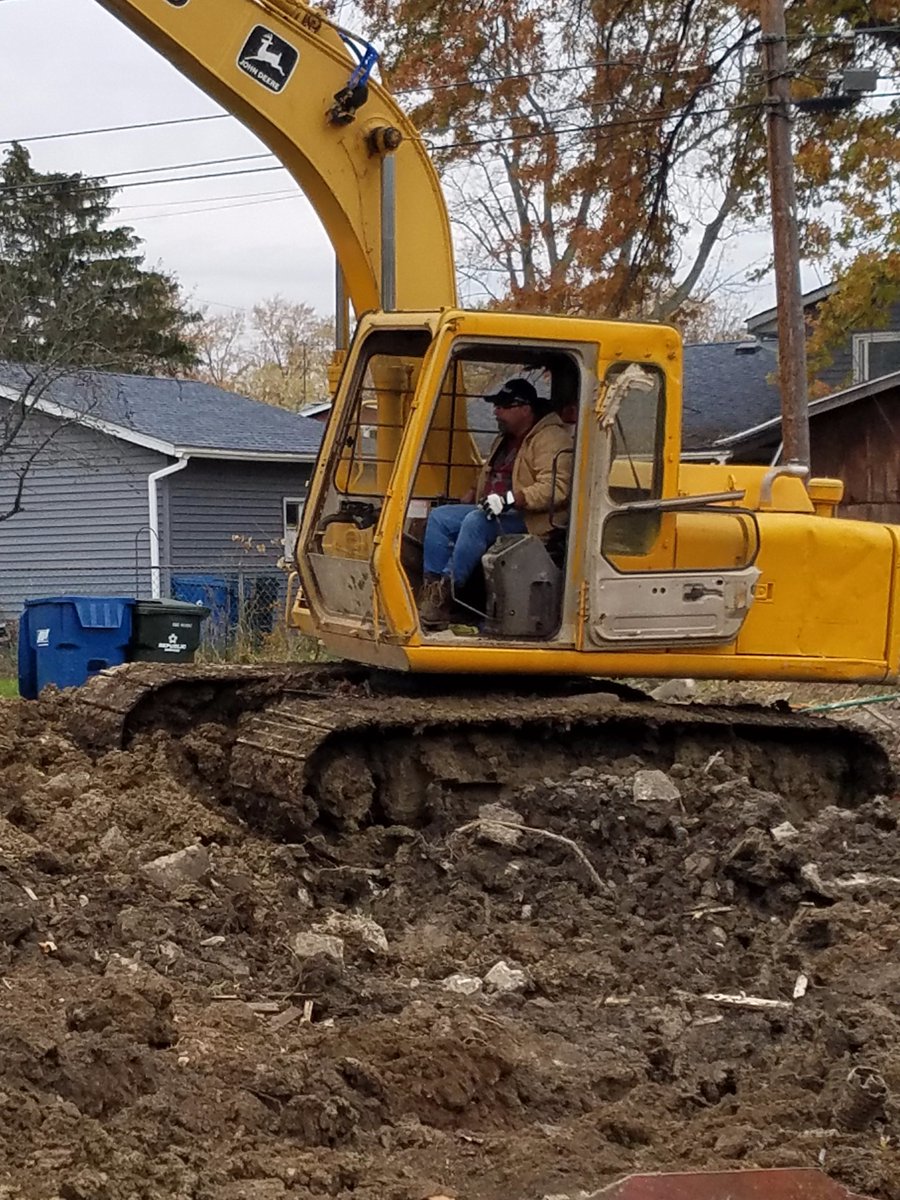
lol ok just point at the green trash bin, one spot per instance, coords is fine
(166, 630)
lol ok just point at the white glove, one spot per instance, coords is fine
(493, 505)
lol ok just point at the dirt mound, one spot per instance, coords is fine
(620, 970)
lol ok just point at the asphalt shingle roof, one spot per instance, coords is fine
(184, 413)
(727, 389)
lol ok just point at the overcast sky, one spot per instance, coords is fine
(68, 66)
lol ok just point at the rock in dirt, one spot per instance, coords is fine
(674, 689)
(500, 812)
(66, 785)
(462, 985)
(311, 945)
(354, 928)
(783, 833)
(114, 843)
(496, 823)
(174, 871)
(700, 865)
(654, 785)
(504, 978)
(862, 1099)
(253, 1189)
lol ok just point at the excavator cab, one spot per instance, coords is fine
(645, 565)
(410, 431)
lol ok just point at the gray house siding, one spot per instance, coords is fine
(838, 374)
(226, 517)
(83, 525)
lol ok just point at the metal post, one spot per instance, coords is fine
(788, 294)
(388, 233)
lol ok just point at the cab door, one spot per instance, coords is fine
(662, 569)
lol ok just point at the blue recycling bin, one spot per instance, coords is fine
(64, 640)
(215, 593)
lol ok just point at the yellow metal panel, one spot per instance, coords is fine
(825, 589)
(826, 495)
(710, 664)
(788, 494)
(713, 541)
(344, 540)
(893, 631)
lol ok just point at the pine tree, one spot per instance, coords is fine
(73, 289)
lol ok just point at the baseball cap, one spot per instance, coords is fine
(514, 393)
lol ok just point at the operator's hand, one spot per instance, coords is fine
(493, 505)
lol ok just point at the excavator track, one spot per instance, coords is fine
(339, 746)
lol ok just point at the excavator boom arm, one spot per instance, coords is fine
(278, 66)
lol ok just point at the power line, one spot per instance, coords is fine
(192, 212)
(73, 133)
(850, 36)
(615, 124)
(206, 200)
(468, 143)
(437, 87)
(210, 162)
(174, 179)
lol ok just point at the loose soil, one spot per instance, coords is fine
(166, 1037)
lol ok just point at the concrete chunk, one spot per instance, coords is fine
(308, 945)
(654, 785)
(173, 871)
(504, 978)
(462, 985)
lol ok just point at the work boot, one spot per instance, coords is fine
(435, 602)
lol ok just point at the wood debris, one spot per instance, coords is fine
(738, 1000)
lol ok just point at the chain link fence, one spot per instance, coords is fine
(246, 601)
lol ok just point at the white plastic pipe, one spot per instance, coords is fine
(153, 522)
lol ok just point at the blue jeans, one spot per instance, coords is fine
(457, 535)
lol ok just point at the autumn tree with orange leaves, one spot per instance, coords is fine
(600, 156)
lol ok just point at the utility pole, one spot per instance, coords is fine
(788, 294)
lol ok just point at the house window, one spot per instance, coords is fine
(875, 354)
(293, 515)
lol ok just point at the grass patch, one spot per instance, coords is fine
(282, 645)
(9, 687)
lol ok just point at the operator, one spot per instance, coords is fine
(527, 476)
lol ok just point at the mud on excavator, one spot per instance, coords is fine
(654, 567)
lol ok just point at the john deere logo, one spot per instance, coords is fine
(268, 58)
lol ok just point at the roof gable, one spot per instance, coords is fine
(761, 321)
(172, 415)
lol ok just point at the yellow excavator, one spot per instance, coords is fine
(647, 566)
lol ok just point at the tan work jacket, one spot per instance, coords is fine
(542, 472)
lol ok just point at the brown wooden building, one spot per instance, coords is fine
(854, 436)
